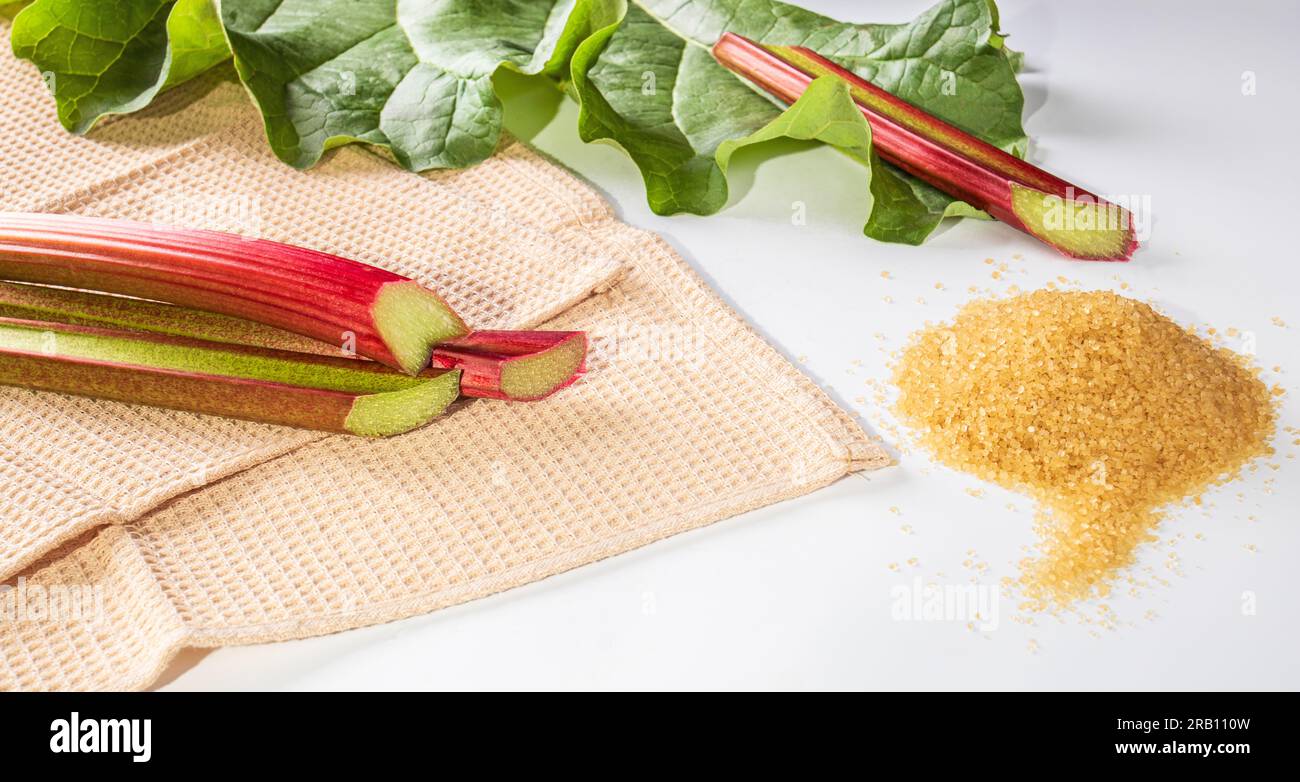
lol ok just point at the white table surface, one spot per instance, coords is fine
(1125, 97)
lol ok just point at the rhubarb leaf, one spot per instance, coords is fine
(417, 77)
(113, 58)
(900, 207)
(414, 77)
(197, 40)
(650, 85)
(998, 40)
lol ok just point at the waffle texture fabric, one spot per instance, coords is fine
(199, 531)
(199, 159)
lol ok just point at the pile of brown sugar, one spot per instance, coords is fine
(1097, 406)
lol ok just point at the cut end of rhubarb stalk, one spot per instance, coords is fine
(411, 319)
(1086, 228)
(541, 374)
(272, 386)
(515, 365)
(395, 412)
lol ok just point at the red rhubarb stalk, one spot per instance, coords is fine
(388, 317)
(1076, 222)
(273, 386)
(515, 365)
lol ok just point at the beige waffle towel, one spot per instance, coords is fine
(686, 417)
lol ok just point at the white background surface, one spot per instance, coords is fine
(1123, 97)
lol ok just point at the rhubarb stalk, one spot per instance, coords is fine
(515, 365)
(390, 318)
(62, 305)
(1074, 221)
(273, 386)
(512, 365)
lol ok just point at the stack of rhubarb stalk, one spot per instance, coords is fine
(185, 319)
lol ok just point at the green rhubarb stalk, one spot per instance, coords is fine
(273, 386)
(63, 305)
(510, 365)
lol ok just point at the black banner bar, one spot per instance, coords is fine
(1074, 731)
